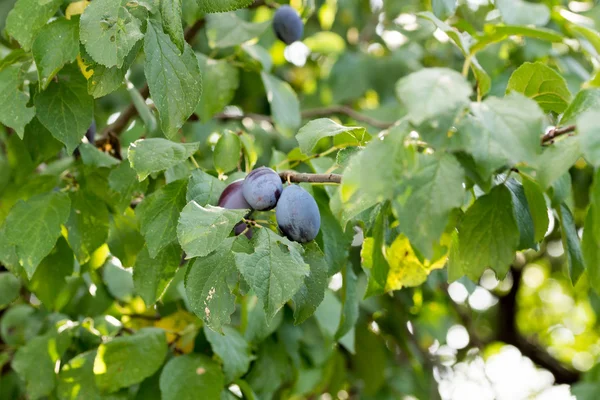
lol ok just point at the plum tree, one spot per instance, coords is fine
(262, 188)
(298, 215)
(287, 25)
(233, 199)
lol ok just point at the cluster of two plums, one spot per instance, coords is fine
(296, 210)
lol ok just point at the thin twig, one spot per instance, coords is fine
(297, 177)
(553, 133)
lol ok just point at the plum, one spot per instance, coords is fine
(262, 188)
(91, 133)
(233, 199)
(298, 215)
(287, 25)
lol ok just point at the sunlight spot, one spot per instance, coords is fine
(336, 282)
(441, 36)
(410, 327)
(374, 327)
(481, 299)
(342, 395)
(488, 280)
(457, 337)
(533, 276)
(297, 53)
(235, 389)
(93, 289)
(555, 248)
(583, 361)
(458, 292)
(112, 118)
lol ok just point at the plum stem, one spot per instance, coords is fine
(548, 138)
(298, 177)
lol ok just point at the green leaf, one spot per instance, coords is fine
(571, 243)
(523, 215)
(219, 6)
(590, 247)
(173, 78)
(503, 131)
(158, 215)
(128, 360)
(96, 158)
(332, 238)
(14, 112)
(87, 225)
(309, 135)
(310, 295)
(556, 160)
(285, 107)
(233, 349)
(520, 12)
(227, 152)
(124, 238)
(433, 91)
(443, 8)
(259, 54)
(123, 181)
(271, 369)
(65, 108)
(40, 143)
(588, 131)
(220, 81)
(152, 276)
(186, 377)
(50, 283)
(35, 362)
(118, 280)
(488, 234)
(28, 17)
(34, 241)
(207, 284)
(542, 84)
(201, 230)
(373, 255)
(586, 99)
(109, 32)
(537, 207)
(57, 44)
(497, 33)
(76, 380)
(170, 11)
(350, 298)
(275, 270)
(424, 204)
(227, 30)
(204, 188)
(154, 155)
(10, 286)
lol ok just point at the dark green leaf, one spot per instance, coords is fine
(585, 100)
(14, 112)
(173, 78)
(186, 377)
(218, 6)
(203, 188)
(158, 215)
(10, 286)
(537, 207)
(170, 11)
(65, 108)
(309, 296)
(28, 17)
(571, 243)
(285, 107)
(523, 215)
(233, 349)
(275, 270)
(220, 80)
(57, 44)
(227, 30)
(488, 235)
(34, 241)
(87, 225)
(152, 276)
(227, 152)
(124, 238)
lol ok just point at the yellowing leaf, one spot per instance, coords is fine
(85, 70)
(405, 267)
(176, 325)
(76, 8)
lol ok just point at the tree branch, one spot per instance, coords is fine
(548, 138)
(297, 177)
(314, 112)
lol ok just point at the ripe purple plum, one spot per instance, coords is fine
(287, 25)
(262, 188)
(298, 215)
(232, 198)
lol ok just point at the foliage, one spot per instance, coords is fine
(450, 147)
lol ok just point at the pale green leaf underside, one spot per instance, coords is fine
(14, 112)
(201, 230)
(311, 133)
(285, 107)
(109, 31)
(155, 155)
